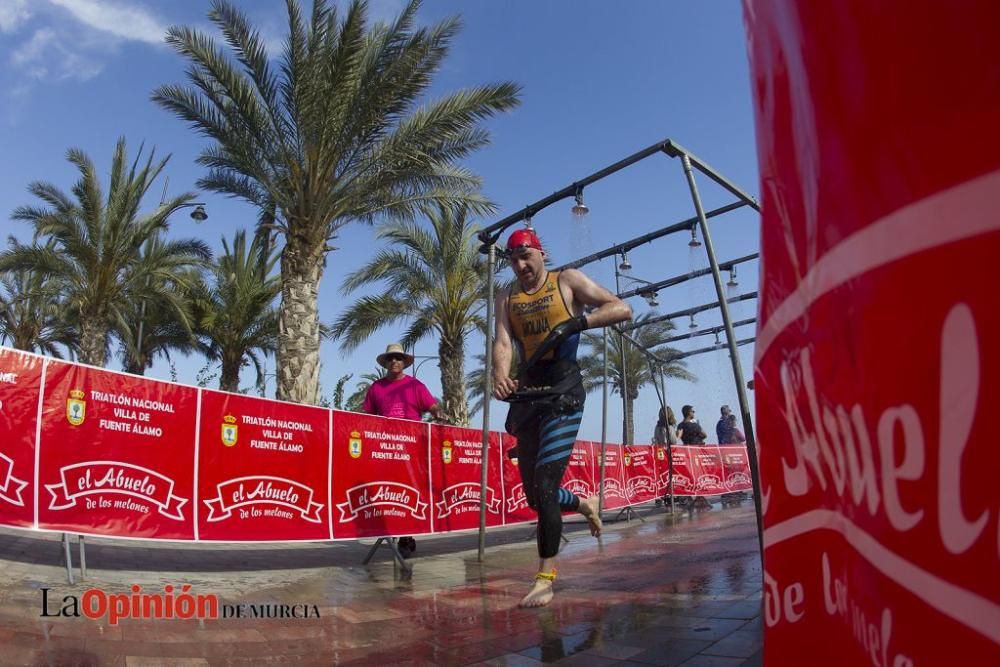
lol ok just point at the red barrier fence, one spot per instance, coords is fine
(96, 452)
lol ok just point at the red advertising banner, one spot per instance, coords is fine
(662, 469)
(640, 473)
(615, 495)
(263, 469)
(456, 469)
(116, 454)
(706, 464)
(876, 357)
(684, 472)
(20, 382)
(380, 476)
(515, 504)
(735, 468)
(579, 478)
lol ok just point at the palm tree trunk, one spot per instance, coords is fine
(230, 378)
(630, 418)
(451, 356)
(298, 325)
(93, 341)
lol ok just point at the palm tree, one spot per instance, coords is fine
(236, 320)
(32, 315)
(161, 333)
(357, 397)
(334, 135)
(152, 327)
(637, 369)
(95, 246)
(433, 279)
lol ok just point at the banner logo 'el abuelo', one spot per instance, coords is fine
(465, 496)
(230, 431)
(517, 499)
(613, 489)
(400, 499)
(263, 490)
(76, 407)
(579, 487)
(116, 478)
(354, 445)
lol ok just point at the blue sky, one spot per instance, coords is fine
(601, 81)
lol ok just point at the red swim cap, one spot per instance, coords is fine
(523, 238)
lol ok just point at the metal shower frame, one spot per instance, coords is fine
(689, 163)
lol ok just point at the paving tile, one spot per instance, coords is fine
(615, 650)
(740, 644)
(671, 652)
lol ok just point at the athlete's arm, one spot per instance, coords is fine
(609, 309)
(503, 385)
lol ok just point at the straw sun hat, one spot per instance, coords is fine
(394, 348)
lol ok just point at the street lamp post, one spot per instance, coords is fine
(424, 358)
(198, 215)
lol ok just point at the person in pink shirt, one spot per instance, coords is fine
(400, 396)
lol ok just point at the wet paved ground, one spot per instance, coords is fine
(681, 590)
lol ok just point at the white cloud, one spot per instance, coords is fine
(44, 57)
(129, 22)
(12, 14)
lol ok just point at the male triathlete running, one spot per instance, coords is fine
(543, 315)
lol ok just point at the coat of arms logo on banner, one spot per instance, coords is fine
(355, 445)
(628, 459)
(446, 451)
(661, 454)
(229, 430)
(76, 407)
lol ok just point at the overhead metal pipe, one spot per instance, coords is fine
(690, 275)
(493, 231)
(682, 226)
(674, 149)
(713, 348)
(689, 311)
(705, 332)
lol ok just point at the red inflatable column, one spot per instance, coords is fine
(877, 356)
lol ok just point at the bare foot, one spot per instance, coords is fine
(539, 596)
(588, 508)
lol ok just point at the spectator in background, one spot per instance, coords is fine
(690, 431)
(665, 435)
(400, 396)
(735, 435)
(723, 426)
(665, 432)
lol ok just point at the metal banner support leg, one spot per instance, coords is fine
(68, 555)
(390, 543)
(83, 559)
